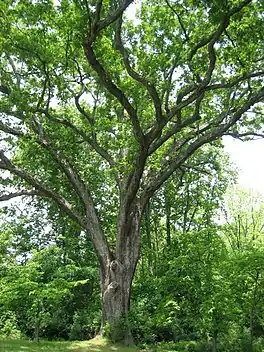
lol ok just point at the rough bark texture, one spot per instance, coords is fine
(116, 280)
(116, 283)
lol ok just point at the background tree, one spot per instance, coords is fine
(98, 112)
(243, 232)
(243, 216)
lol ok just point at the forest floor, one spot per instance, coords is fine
(94, 345)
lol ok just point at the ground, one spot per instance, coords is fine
(94, 345)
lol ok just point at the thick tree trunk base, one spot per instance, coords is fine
(127, 341)
(117, 272)
(116, 281)
(118, 333)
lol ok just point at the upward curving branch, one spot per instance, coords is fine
(114, 90)
(10, 130)
(90, 140)
(212, 134)
(25, 192)
(99, 25)
(135, 75)
(190, 93)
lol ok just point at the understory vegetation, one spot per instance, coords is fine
(198, 287)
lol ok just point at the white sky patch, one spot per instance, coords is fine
(130, 12)
(132, 9)
(249, 158)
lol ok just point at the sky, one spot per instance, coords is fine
(249, 159)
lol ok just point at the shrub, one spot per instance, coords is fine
(84, 326)
(8, 326)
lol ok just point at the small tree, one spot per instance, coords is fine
(98, 111)
(244, 233)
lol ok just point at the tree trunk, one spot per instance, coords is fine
(116, 282)
(168, 215)
(214, 342)
(37, 330)
(252, 313)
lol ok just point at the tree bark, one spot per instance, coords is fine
(117, 275)
(37, 330)
(116, 282)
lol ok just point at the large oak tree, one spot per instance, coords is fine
(98, 111)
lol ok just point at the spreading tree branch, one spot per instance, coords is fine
(186, 35)
(235, 81)
(193, 91)
(89, 222)
(6, 164)
(10, 130)
(114, 90)
(98, 26)
(91, 219)
(198, 97)
(156, 182)
(135, 75)
(91, 141)
(206, 40)
(240, 136)
(8, 196)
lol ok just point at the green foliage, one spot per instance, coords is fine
(116, 332)
(8, 326)
(201, 287)
(85, 325)
(48, 289)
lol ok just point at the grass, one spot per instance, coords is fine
(95, 345)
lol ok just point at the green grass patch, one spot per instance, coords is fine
(95, 345)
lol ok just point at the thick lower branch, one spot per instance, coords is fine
(6, 164)
(8, 196)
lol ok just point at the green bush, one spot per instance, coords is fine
(117, 332)
(84, 326)
(258, 345)
(8, 326)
